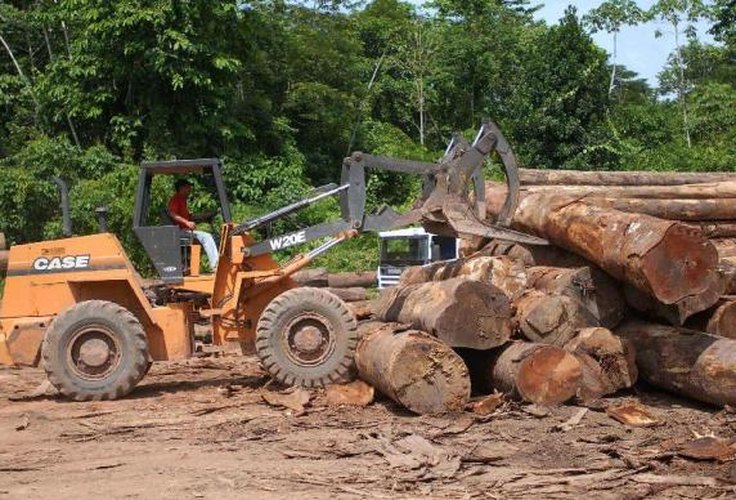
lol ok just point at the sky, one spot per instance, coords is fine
(638, 49)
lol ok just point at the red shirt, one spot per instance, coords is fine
(178, 206)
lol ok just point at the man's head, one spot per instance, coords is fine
(183, 187)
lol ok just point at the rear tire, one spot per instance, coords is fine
(95, 350)
(307, 337)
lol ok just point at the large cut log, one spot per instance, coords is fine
(353, 294)
(712, 190)
(726, 247)
(507, 274)
(311, 277)
(536, 373)
(364, 279)
(682, 210)
(576, 283)
(551, 319)
(620, 178)
(687, 362)
(459, 311)
(608, 362)
(727, 269)
(412, 368)
(719, 320)
(667, 260)
(717, 229)
(362, 309)
(4, 260)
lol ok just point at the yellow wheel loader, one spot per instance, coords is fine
(78, 307)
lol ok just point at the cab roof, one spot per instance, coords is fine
(179, 167)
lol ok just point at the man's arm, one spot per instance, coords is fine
(182, 221)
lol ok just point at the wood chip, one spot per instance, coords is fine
(572, 421)
(356, 393)
(295, 400)
(24, 423)
(632, 413)
(709, 448)
(675, 480)
(487, 405)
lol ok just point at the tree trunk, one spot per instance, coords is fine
(619, 178)
(3, 242)
(682, 210)
(458, 311)
(551, 319)
(726, 247)
(700, 191)
(631, 248)
(506, 274)
(4, 255)
(727, 269)
(362, 309)
(536, 373)
(719, 320)
(412, 368)
(500, 248)
(354, 294)
(716, 228)
(576, 283)
(365, 279)
(694, 364)
(311, 277)
(608, 362)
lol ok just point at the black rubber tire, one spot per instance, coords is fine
(270, 333)
(128, 333)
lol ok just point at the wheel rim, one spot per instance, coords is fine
(308, 339)
(93, 352)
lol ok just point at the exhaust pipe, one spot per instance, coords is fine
(66, 217)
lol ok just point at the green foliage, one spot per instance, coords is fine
(283, 91)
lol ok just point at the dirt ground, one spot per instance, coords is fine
(201, 429)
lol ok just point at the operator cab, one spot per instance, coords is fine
(413, 246)
(172, 249)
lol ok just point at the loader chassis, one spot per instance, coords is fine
(78, 304)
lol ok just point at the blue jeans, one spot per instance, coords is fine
(210, 247)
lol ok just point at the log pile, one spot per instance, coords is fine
(350, 287)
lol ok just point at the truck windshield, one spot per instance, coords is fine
(404, 250)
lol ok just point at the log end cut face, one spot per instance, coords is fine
(682, 264)
(549, 376)
(431, 379)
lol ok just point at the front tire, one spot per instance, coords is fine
(95, 350)
(307, 337)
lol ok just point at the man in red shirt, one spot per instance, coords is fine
(178, 210)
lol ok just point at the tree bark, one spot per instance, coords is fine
(619, 178)
(608, 362)
(719, 320)
(708, 190)
(726, 247)
(362, 309)
(3, 242)
(716, 228)
(631, 248)
(727, 269)
(354, 294)
(365, 279)
(551, 319)
(682, 210)
(536, 373)
(687, 362)
(458, 311)
(412, 368)
(4, 255)
(506, 274)
(576, 283)
(311, 277)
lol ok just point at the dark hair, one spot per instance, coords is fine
(180, 183)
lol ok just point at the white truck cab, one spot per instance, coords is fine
(412, 246)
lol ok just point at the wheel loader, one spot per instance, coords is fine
(78, 307)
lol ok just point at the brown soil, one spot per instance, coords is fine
(201, 429)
